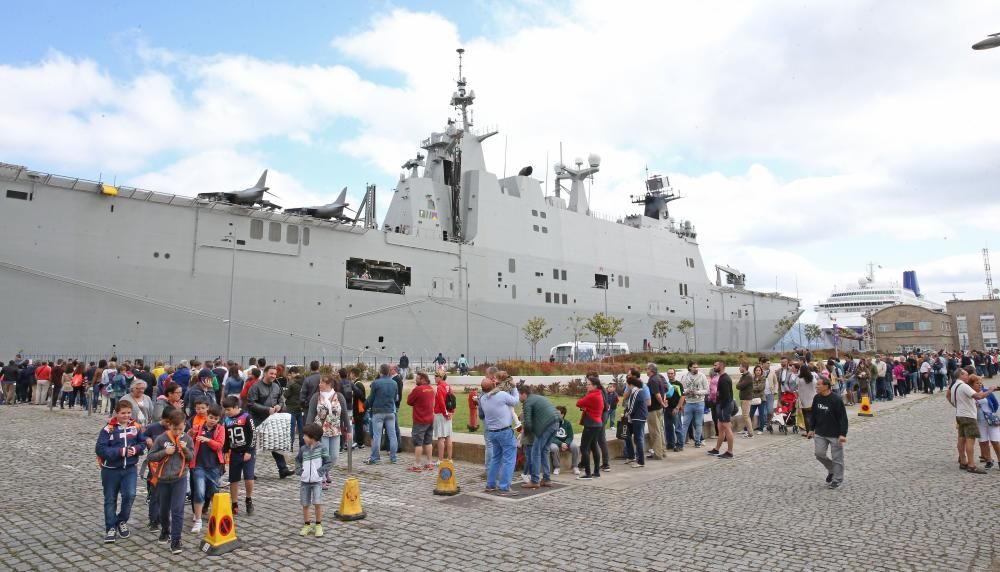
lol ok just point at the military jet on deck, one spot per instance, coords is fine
(327, 211)
(247, 197)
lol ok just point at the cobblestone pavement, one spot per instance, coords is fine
(904, 506)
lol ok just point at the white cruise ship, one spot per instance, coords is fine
(848, 308)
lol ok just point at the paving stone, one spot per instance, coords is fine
(903, 506)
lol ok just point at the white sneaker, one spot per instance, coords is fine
(555, 471)
(525, 478)
(576, 470)
(196, 527)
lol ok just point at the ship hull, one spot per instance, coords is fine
(149, 274)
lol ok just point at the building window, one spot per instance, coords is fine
(539, 290)
(274, 232)
(626, 281)
(963, 324)
(542, 214)
(563, 274)
(305, 236)
(882, 328)
(292, 237)
(19, 195)
(513, 291)
(510, 265)
(534, 227)
(564, 299)
(924, 326)
(257, 229)
(601, 281)
(534, 212)
(988, 323)
(545, 230)
(621, 281)
(904, 326)
(548, 297)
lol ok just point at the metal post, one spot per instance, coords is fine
(232, 283)
(467, 353)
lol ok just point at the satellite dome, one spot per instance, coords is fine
(594, 160)
(862, 282)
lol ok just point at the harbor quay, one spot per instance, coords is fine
(768, 506)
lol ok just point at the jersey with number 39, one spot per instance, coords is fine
(239, 433)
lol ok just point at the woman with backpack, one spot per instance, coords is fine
(445, 404)
(79, 391)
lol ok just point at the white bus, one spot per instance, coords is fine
(587, 351)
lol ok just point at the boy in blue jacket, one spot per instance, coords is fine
(118, 448)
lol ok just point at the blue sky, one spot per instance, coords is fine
(807, 139)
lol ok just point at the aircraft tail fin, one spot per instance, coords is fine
(262, 182)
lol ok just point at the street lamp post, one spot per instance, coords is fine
(460, 268)
(694, 321)
(606, 342)
(231, 238)
(753, 306)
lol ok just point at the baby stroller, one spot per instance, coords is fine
(784, 412)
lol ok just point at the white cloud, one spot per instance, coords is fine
(815, 136)
(224, 170)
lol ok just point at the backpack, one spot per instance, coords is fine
(450, 403)
(156, 467)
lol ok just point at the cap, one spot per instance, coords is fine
(205, 373)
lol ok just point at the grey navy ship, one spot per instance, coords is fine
(462, 260)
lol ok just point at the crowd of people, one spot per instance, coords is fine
(192, 428)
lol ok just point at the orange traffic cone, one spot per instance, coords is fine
(220, 537)
(446, 479)
(866, 407)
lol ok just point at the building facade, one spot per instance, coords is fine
(904, 327)
(975, 323)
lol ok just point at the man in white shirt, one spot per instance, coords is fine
(963, 396)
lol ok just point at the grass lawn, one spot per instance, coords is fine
(460, 421)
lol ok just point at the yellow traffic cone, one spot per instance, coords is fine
(220, 537)
(350, 501)
(866, 407)
(446, 485)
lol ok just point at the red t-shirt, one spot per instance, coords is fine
(422, 401)
(439, 395)
(43, 373)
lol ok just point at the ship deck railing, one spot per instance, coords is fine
(20, 173)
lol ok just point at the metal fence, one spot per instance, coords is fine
(416, 362)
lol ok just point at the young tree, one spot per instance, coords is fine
(576, 326)
(683, 327)
(604, 326)
(661, 329)
(535, 331)
(813, 332)
(782, 326)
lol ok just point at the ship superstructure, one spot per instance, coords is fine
(460, 262)
(850, 307)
